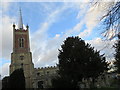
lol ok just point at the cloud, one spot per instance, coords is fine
(4, 70)
(45, 0)
(6, 30)
(48, 49)
(45, 49)
(46, 52)
(4, 6)
(92, 15)
(75, 30)
(5, 40)
(84, 18)
(47, 58)
(104, 46)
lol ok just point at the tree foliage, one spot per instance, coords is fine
(78, 60)
(17, 79)
(117, 55)
(5, 83)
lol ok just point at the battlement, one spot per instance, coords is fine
(20, 29)
(23, 30)
(43, 68)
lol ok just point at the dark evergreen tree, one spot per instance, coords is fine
(17, 79)
(5, 83)
(78, 60)
(117, 55)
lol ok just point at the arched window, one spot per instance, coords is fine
(21, 42)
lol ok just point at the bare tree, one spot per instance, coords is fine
(111, 18)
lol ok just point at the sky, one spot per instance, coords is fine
(50, 23)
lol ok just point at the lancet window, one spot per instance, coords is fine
(21, 42)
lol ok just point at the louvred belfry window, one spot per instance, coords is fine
(21, 42)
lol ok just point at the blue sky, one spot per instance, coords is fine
(50, 23)
(35, 13)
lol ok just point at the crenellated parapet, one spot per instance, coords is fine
(49, 67)
(46, 74)
(51, 70)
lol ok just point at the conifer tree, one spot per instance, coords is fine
(78, 60)
(17, 79)
(117, 55)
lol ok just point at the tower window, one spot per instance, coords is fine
(21, 42)
(38, 74)
(47, 72)
(21, 65)
(21, 57)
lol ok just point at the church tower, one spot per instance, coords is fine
(21, 57)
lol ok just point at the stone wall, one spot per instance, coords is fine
(44, 76)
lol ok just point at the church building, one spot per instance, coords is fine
(21, 57)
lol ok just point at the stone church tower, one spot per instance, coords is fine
(21, 57)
